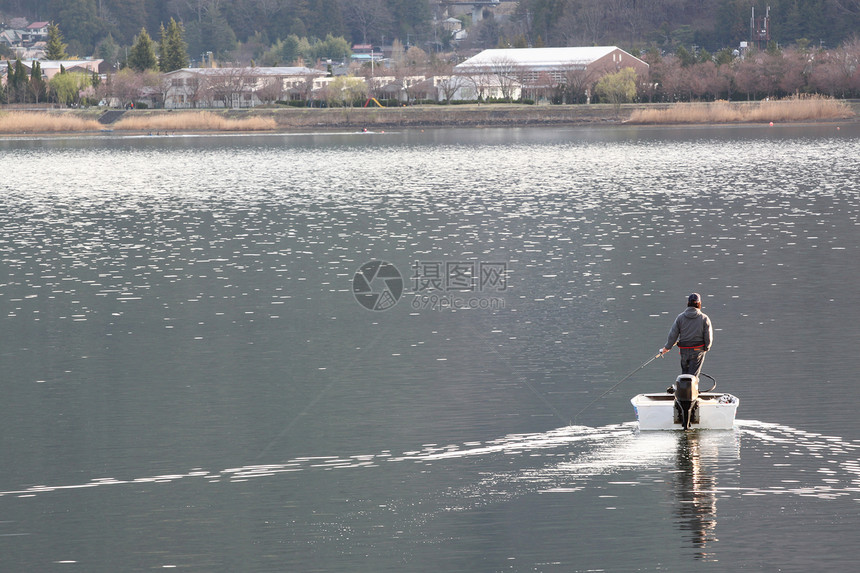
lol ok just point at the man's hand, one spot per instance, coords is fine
(662, 351)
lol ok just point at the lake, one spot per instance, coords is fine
(387, 351)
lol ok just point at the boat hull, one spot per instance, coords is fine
(716, 411)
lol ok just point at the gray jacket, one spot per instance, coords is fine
(692, 328)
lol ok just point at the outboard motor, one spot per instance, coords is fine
(686, 400)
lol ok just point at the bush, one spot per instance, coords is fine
(293, 103)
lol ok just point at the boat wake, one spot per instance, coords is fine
(565, 459)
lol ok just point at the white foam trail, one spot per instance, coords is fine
(620, 447)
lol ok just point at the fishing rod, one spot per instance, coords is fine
(617, 384)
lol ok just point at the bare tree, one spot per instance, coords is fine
(726, 79)
(794, 71)
(576, 79)
(230, 85)
(480, 79)
(747, 77)
(825, 75)
(446, 82)
(196, 91)
(449, 86)
(592, 14)
(703, 79)
(124, 85)
(270, 90)
(504, 69)
(846, 63)
(305, 87)
(369, 17)
(848, 6)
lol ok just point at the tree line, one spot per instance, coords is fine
(682, 77)
(239, 30)
(668, 24)
(771, 73)
(245, 30)
(65, 88)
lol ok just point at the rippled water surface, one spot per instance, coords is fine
(190, 379)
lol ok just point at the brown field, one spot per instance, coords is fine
(29, 122)
(792, 109)
(192, 121)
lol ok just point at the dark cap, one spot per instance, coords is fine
(693, 299)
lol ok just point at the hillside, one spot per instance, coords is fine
(242, 30)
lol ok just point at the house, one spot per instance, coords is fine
(11, 38)
(365, 53)
(35, 32)
(452, 25)
(533, 68)
(237, 87)
(24, 43)
(50, 68)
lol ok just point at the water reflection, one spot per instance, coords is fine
(696, 487)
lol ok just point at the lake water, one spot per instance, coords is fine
(192, 376)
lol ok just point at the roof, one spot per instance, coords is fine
(540, 57)
(66, 64)
(38, 25)
(261, 71)
(11, 36)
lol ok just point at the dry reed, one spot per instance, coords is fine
(193, 121)
(793, 109)
(30, 122)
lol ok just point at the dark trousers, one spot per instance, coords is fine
(691, 361)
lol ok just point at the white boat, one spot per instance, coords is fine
(683, 407)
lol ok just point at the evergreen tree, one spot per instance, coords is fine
(108, 50)
(142, 56)
(162, 48)
(8, 86)
(173, 51)
(56, 48)
(81, 24)
(211, 34)
(16, 82)
(37, 85)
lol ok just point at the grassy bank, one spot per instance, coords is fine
(471, 115)
(192, 121)
(22, 122)
(787, 110)
(17, 122)
(279, 119)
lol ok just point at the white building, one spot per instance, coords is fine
(237, 87)
(507, 70)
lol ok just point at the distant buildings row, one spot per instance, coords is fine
(26, 41)
(501, 74)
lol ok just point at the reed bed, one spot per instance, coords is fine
(193, 121)
(812, 108)
(30, 122)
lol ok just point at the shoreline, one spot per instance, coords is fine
(306, 120)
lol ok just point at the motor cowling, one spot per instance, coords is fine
(686, 387)
(686, 400)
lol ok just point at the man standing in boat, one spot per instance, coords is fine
(693, 334)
